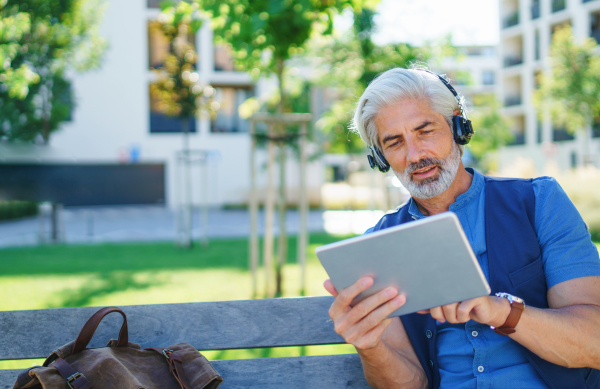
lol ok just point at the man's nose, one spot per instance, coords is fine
(415, 151)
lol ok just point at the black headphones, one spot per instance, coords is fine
(461, 128)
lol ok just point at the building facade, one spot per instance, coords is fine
(115, 121)
(526, 32)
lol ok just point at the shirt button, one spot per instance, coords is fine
(480, 369)
(475, 333)
(430, 363)
(429, 334)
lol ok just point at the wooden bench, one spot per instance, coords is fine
(206, 326)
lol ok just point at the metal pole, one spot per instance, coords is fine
(282, 256)
(303, 202)
(253, 214)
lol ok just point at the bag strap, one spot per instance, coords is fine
(75, 379)
(88, 330)
(175, 365)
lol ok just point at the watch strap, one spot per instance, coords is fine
(516, 309)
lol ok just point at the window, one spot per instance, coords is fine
(161, 123)
(535, 9)
(511, 20)
(596, 128)
(159, 46)
(518, 130)
(595, 26)
(558, 5)
(560, 134)
(228, 119)
(223, 59)
(489, 77)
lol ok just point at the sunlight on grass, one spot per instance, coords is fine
(155, 273)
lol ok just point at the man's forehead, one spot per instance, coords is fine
(406, 114)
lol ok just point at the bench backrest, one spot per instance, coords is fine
(206, 326)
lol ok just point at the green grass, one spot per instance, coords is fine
(149, 273)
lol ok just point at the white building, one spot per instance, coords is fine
(526, 30)
(114, 123)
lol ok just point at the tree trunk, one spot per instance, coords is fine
(282, 190)
(269, 210)
(187, 185)
(55, 221)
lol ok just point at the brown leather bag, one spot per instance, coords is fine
(120, 365)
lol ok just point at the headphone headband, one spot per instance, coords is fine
(451, 88)
(461, 129)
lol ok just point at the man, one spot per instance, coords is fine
(528, 237)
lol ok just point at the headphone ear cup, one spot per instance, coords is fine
(462, 130)
(384, 165)
(371, 161)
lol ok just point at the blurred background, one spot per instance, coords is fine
(131, 145)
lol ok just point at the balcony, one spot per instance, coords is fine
(510, 101)
(535, 10)
(511, 20)
(512, 61)
(558, 5)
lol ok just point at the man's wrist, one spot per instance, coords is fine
(503, 308)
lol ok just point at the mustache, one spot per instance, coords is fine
(427, 162)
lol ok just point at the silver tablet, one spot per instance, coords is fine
(429, 260)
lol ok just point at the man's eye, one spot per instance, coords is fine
(426, 131)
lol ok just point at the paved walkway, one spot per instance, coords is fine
(140, 223)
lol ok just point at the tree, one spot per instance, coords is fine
(348, 63)
(263, 35)
(41, 40)
(13, 26)
(492, 129)
(177, 88)
(570, 91)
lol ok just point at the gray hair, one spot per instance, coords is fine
(393, 86)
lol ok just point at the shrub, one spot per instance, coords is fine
(17, 209)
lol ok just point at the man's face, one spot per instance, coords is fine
(418, 144)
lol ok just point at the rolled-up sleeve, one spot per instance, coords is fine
(567, 249)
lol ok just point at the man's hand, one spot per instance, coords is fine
(364, 324)
(490, 310)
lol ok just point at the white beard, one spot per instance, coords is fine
(432, 186)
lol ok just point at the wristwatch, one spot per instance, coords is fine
(517, 305)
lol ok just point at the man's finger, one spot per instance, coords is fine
(328, 285)
(368, 305)
(374, 318)
(450, 312)
(342, 301)
(373, 337)
(463, 312)
(438, 314)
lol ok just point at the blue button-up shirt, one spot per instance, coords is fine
(471, 355)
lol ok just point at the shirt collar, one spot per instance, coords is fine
(461, 201)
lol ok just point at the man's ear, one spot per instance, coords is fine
(456, 112)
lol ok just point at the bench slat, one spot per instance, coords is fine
(331, 371)
(206, 326)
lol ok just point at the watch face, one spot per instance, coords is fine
(511, 298)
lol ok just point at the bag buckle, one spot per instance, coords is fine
(73, 378)
(167, 350)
